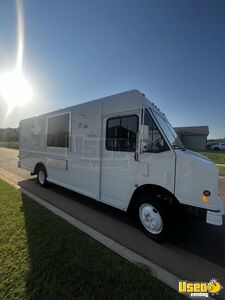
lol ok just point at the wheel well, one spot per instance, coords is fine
(38, 166)
(152, 189)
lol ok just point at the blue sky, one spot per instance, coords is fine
(79, 50)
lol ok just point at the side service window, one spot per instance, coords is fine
(58, 131)
(155, 142)
(121, 133)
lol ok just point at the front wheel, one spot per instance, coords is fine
(42, 177)
(153, 217)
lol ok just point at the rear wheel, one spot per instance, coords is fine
(42, 176)
(216, 148)
(153, 215)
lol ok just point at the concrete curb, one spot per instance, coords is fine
(141, 262)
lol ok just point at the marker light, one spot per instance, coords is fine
(205, 196)
(206, 193)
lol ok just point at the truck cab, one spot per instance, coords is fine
(178, 177)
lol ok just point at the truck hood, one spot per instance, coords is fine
(196, 173)
(198, 155)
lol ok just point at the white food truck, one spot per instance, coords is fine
(121, 150)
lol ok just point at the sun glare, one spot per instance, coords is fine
(15, 89)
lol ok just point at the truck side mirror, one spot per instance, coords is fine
(145, 134)
(145, 137)
(144, 147)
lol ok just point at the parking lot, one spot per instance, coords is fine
(195, 251)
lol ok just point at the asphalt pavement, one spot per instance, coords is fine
(195, 251)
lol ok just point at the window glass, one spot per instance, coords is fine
(155, 141)
(169, 131)
(121, 133)
(58, 131)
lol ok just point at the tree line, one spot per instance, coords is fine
(9, 134)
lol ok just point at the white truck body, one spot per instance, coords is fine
(101, 149)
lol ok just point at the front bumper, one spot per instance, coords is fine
(216, 217)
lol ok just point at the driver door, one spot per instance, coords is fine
(157, 159)
(119, 165)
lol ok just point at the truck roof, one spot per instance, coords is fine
(110, 102)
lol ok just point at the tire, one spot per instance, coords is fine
(153, 217)
(217, 148)
(42, 176)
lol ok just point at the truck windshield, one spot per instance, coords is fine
(169, 131)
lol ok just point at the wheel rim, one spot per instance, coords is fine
(150, 218)
(41, 177)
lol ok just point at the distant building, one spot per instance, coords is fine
(194, 137)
